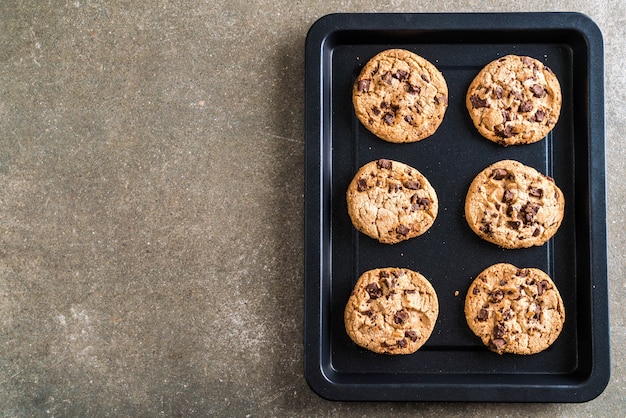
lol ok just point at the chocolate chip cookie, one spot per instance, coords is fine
(400, 96)
(391, 201)
(514, 310)
(514, 100)
(391, 311)
(514, 206)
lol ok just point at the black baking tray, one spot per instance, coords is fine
(454, 365)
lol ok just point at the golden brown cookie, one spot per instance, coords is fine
(514, 206)
(400, 96)
(391, 201)
(391, 311)
(514, 310)
(514, 100)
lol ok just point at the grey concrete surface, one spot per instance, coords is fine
(151, 208)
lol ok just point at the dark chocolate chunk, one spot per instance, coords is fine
(508, 196)
(375, 111)
(408, 118)
(499, 173)
(536, 232)
(514, 224)
(402, 343)
(499, 330)
(382, 163)
(483, 315)
(538, 91)
(403, 230)
(410, 334)
(412, 184)
(441, 100)
(400, 317)
(413, 89)
(477, 102)
(387, 77)
(535, 191)
(539, 115)
(401, 75)
(528, 212)
(388, 118)
(364, 85)
(497, 295)
(361, 185)
(542, 286)
(374, 290)
(498, 343)
(505, 132)
(498, 92)
(525, 107)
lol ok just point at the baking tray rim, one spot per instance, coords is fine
(577, 387)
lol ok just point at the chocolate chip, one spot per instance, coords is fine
(518, 95)
(542, 286)
(506, 116)
(408, 118)
(425, 78)
(508, 314)
(514, 224)
(374, 291)
(411, 89)
(368, 313)
(383, 274)
(483, 315)
(539, 115)
(420, 202)
(486, 228)
(497, 295)
(400, 317)
(508, 196)
(375, 70)
(528, 212)
(538, 91)
(412, 184)
(499, 330)
(441, 100)
(402, 343)
(535, 191)
(525, 107)
(476, 290)
(382, 163)
(401, 75)
(361, 185)
(387, 77)
(477, 102)
(410, 334)
(505, 132)
(403, 230)
(536, 232)
(498, 92)
(498, 343)
(388, 118)
(521, 273)
(375, 111)
(499, 173)
(364, 85)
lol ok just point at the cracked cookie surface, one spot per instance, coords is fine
(400, 96)
(514, 310)
(391, 311)
(391, 201)
(514, 206)
(514, 100)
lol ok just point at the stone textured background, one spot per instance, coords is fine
(151, 208)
